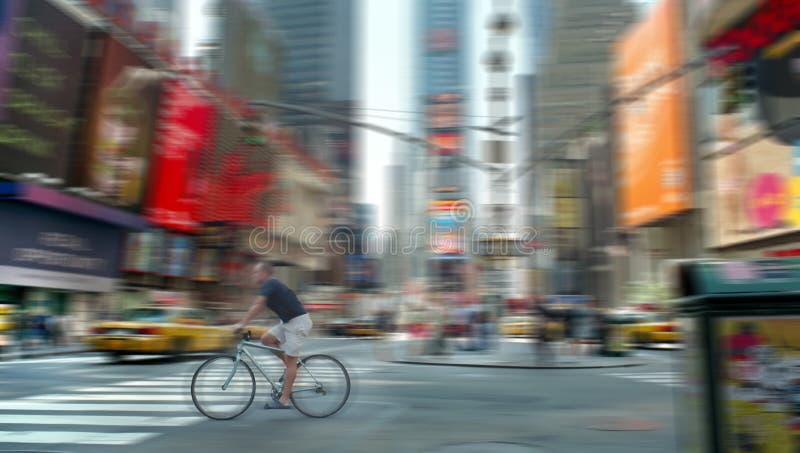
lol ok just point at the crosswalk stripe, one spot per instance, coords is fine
(658, 380)
(122, 397)
(184, 390)
(55, 360)
(666, 378)
(73, 437)
(96, 420)
(660, 373)
(93, 407)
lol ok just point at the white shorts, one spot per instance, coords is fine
(292, 334)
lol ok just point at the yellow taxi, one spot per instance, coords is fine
(162, 330)
(652, 327)
(363, 327)
(518, 326)
(7, 313)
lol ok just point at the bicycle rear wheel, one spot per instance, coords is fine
(223, 404)
(322, 386)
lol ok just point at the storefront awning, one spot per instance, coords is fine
(54, 199)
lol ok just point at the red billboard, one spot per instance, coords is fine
(179, 188)
(240, 170)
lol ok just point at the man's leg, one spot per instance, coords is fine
(288, 379)
(270, 340)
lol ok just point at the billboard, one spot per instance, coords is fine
(143, 252)
(119, 126)
(41, 81)
(756, 193)
(45, 248)
(251, 53)
(447, 142)
(178, 187)
(653, 147)
(9, 10)
(447, 226)
(444, 111)
(177, 256)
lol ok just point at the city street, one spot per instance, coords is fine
(85, 403)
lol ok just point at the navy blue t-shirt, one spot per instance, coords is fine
(281, 299)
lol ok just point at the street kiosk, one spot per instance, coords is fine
(741, 324)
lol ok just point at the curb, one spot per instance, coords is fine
(35, 354)
(525, 367)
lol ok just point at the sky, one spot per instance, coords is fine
(385, 80)
(386, 65)
(385, 83)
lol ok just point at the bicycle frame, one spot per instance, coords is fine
(241, 349)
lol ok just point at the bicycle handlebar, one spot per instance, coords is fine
(246, 334)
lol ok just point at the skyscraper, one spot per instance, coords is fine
(572, 82)
(317, 42)
(442, 90)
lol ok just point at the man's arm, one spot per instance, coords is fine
(255, 309)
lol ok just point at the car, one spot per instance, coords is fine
(651, 327)
(525, 326)
(162, 330)
(7, 324)
(365, 326)
(337, 326)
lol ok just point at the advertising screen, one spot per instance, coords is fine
(178, 187)
(447, 227)
(444, 111)
(47, 249)
(177, 256)
(760, 383)
(757, 193)
(143, 252)
(41, 79)
(9, 10)
(119, 127)
(447, 143)
(653, 149)
(206, 265)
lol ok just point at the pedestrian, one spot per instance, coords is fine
(545, 353)
(582, 328)
(570, 323)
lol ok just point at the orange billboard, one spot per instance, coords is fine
(654, 174)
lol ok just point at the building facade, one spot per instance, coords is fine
(573, 71)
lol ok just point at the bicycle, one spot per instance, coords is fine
(318, 376)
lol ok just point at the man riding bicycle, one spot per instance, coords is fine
(289, 334)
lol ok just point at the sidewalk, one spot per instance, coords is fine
(16, 353)
(506, 353)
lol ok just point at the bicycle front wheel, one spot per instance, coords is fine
(322, 386)
(219, 403)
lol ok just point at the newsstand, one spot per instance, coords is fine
(741, 325)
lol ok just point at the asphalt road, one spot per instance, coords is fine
(84, 403)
